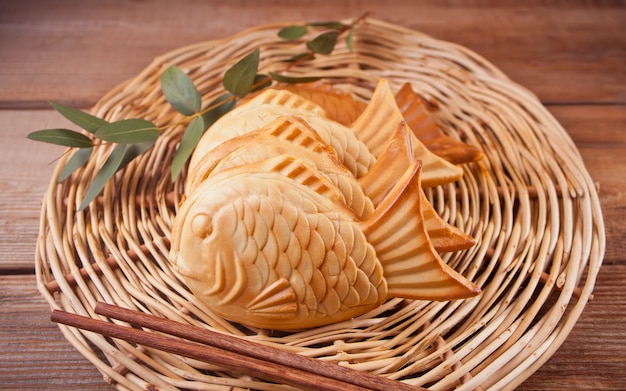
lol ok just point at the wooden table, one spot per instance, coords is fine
(571, 54)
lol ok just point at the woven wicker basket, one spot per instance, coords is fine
(529, 202)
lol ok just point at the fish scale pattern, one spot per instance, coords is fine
(329, 271)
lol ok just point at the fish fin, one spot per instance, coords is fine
(205, 165)
(251, 116)
(298, 138)
(298, 132)
(298, 171)
(285, 134)
(373, 125)
(411, 265)
(376, 125)
(236, 280)
(444, 237)
(340, 106)
(295, 130)
(415, 111)
(278, 300)
(397, 157)
(286, 99)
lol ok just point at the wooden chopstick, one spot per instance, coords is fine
(258, 360)
(251, 349)
(225, 359)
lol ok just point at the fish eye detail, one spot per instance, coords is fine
(202, 225)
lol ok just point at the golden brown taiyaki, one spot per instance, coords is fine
(272, 104)
(286, 135)
(272, 245)
(416, 113)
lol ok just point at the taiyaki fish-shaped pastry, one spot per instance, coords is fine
(357, 146)
(272, 245)
(272, 104)
(285, 135)
(340, 106)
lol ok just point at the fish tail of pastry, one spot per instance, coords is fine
(377, 183)
(376, 125)
(411, 265)
(443, 236)
(397, 157)
(377, 122)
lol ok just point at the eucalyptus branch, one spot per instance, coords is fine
(133, 137)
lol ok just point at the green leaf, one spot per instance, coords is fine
(261, 81)
(109, 168)
(188, 143)
(180, 91)
(223, 104)
(329, 25)
(324, 43)
(350, 38)
(128, 131)
(292, 32)
(239, 79)
(134, 150)
(86, 121)
(121, 155)
(66, 137)
(80, 157)
(293, 80)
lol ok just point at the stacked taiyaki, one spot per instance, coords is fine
(305, 208)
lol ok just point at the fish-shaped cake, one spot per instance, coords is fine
(292, 220)
(272, 104)
(272, 245)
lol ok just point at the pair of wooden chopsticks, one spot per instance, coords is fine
(264, 362)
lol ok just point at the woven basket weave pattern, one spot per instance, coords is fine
(529, 203)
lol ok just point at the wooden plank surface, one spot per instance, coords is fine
(74, 53)
(35, 356)
(571, 54)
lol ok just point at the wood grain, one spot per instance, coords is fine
(598, 132)
(35, 355)
(25, 168)
(570, 53)
(593, 356)
(88, 49)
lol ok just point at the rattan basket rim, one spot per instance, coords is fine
(530, 203)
